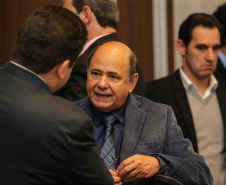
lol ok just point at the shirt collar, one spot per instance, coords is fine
(99, 115)
(88, 44)
(26, 69)
(187, 83)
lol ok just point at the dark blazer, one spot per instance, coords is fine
(151, 129)
(44, 139)
(75, 88)
(220, 71)
(170, 90)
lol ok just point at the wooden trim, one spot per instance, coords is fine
(170, 38)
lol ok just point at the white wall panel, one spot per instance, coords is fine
(183, 8)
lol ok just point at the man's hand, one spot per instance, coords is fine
(116, 178)
(137, 167)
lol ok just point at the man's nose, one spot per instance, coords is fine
(211, 54)
(103, 82)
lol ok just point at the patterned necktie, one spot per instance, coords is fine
(108, 148)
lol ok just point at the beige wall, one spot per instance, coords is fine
(182, 8)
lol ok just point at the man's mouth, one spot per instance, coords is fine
(209, 66)
(102, 95)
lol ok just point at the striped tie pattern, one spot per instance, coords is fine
(108, 149)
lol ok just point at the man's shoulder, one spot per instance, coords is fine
(146, 104)
(62, 105)
(164, 80)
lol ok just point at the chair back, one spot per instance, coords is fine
(164, 180)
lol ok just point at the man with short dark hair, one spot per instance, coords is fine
(45, 139)
(101, 20)
(196, 96)
(136, 137)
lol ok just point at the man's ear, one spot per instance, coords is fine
(133, 82)
(181, 47)
(61, 70)
(86, 15)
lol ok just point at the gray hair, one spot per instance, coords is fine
(106, 11)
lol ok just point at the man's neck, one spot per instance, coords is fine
(202, 83)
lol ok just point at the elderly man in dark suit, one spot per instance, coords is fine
(101, 20)
(45, 139)
(196, 96)
(142, 138)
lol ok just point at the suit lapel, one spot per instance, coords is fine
(85, 105)
(133, 127)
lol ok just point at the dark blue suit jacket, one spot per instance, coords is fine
(151, 129)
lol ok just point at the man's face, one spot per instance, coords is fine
(201, 55)
(107, 79)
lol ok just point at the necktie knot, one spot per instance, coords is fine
(109, 120)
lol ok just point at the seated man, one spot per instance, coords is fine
(145, 138)
(44, 139)
(101, 20)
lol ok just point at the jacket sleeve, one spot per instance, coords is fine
(184, 164)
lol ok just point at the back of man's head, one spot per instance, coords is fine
(51, 35)
(193, 20)
(106, 11)
(220, 14)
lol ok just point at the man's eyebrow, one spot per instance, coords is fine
(112, 73)
(95, 69)
(203, 45)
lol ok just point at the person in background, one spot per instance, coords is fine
(45, 139)
(196, 96)
(220, 14)
(101, 20)
(136, 137)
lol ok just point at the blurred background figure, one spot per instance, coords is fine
(101, 20)
(196, 96)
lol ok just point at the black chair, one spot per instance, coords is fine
(164, 180)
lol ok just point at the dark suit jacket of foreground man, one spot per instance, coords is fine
(176, 97)
(151, 129)
(44, 139)
(75, 88)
